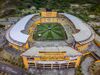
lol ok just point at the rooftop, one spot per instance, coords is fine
(84, 33)
(34, 51)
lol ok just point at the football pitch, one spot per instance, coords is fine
(49, 31)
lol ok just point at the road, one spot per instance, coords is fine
(11, 69)
(18, 71)
(13, 51)
(94, 48)
(85, 65)
(69, 71)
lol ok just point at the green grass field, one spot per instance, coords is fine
(49, 31)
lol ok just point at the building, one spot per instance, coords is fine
(50, 54)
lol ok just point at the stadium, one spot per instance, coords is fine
(50, 39)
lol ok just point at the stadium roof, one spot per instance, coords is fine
(15, 34)
(34, 51)
(84, 33)
(17, 37)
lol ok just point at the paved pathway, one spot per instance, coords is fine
(85, 65)
(69, 71)
(12, 51)
(11, 69)
(94, 48)
(2, 41)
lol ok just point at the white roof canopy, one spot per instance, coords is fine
(84, 33)
(34, 51)
(15, 34)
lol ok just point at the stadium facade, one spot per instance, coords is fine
(50, 54)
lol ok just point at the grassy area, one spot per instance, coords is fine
(59, 5)
(49, 31)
